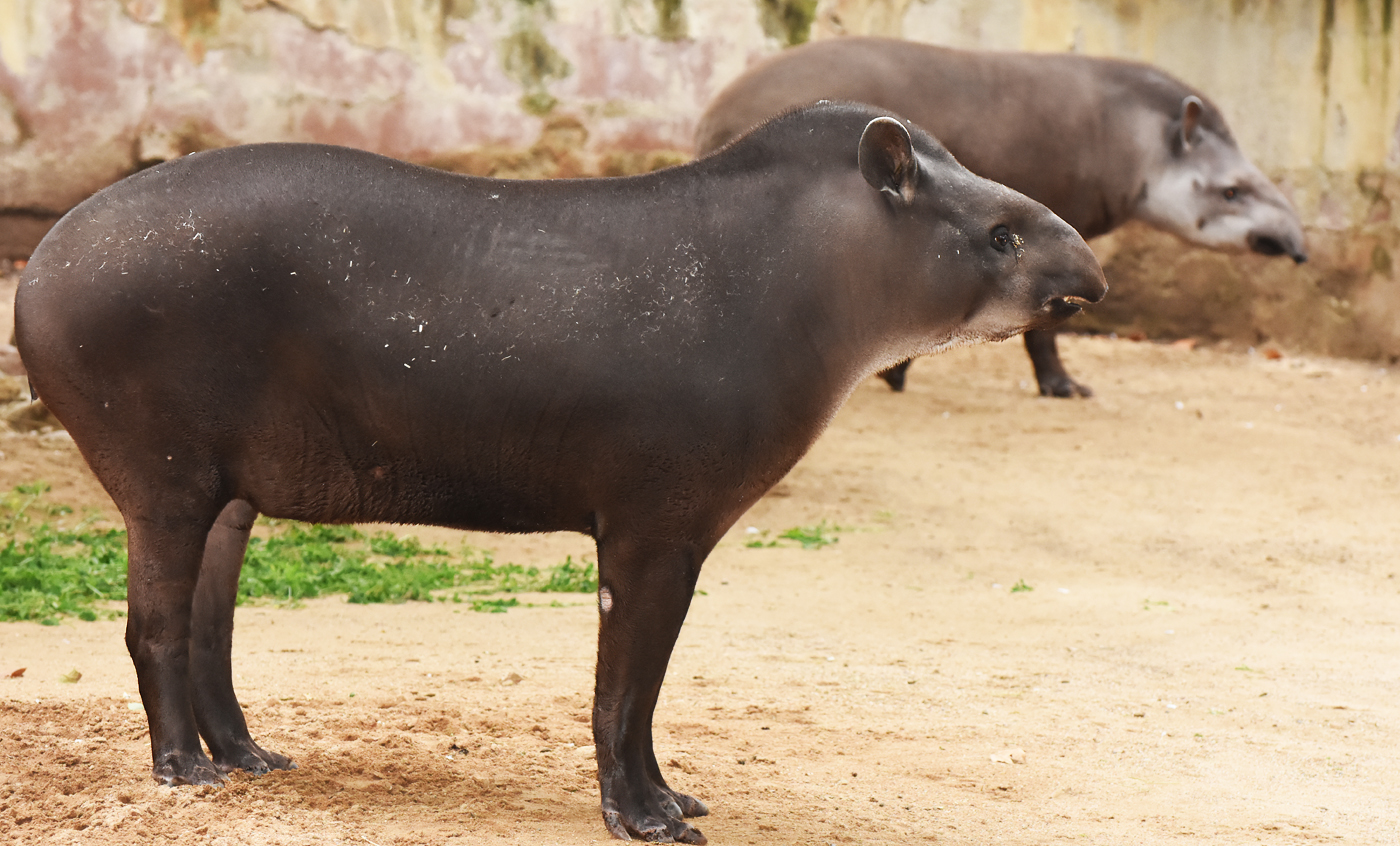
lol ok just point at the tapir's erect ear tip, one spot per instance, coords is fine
(1191, 109)
(887, 158)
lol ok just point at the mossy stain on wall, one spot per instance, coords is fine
(1365, 18)
(193, 23)
(789, 21)
(197, 16)
(463, 9)
(1380, 261)
(529, 59)
(1328, 31)
(670, 19)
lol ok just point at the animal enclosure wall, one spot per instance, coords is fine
(91, 90)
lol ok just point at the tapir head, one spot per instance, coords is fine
(989, 259)
(1202, 188)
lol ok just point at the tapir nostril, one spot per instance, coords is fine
(1093, 292)
(1068, 296)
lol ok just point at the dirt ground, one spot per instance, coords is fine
(1210, 650)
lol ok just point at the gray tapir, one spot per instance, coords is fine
(1099, 141)
(323, 334)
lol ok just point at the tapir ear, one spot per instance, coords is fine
(887, 159)
(1191, 108)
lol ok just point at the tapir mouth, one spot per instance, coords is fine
(1063, 308)
(1068, 305)
(1065, 293)
(1271, 246)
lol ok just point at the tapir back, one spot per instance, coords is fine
(1058, 128)
(223, 302)
(493, 356)
(337, 336)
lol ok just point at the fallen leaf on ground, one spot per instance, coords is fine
(1010, 756)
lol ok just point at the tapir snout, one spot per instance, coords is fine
(1054, 267)
(1064, 289)
(1086, 289)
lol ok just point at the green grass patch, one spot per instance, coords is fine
(809, 537)
(48, 571)
(1021, 587)
(494, 606)
(813, 537)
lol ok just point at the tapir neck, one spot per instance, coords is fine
(1115, 168)
(806, 275)
(1147, 132)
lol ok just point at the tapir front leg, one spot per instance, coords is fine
(1050, 373)
(643, 595)
(216, 709)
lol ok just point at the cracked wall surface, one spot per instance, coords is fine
(92, 90)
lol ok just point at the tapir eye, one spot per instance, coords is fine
(1231, 193)
(1001, 239)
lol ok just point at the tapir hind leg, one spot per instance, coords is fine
(1050, 373)
(164, 549)
(644, 593)
(216, 709)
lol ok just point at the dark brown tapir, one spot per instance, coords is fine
(1099, 141)
(318, 333)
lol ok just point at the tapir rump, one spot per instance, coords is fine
(322, 334)
(1099, 141)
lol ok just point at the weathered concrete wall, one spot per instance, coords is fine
(90, 90)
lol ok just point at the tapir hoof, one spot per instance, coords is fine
(253, 759)
(1064, 387)
(689, 805)
(186, 768)
(894, 376)
(653, 830)
(658, 821)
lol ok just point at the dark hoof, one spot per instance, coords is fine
(653, 825)
(186, 768)
(253, 759)
(689, 806)
(1064, 387)
(894, 377)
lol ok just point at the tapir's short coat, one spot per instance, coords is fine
(322, 334)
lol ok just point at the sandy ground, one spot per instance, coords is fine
(1209, 651)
